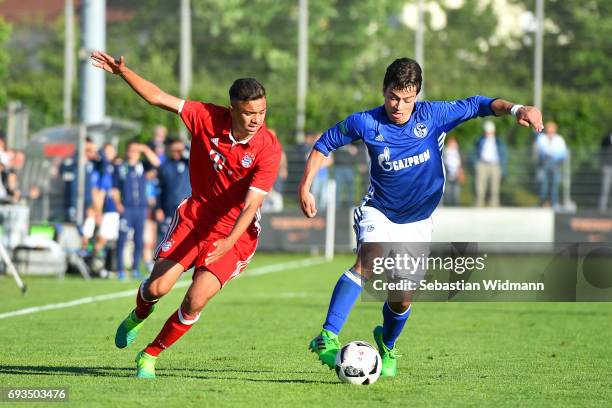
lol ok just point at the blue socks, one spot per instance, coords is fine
(393, 323)
(344, 296)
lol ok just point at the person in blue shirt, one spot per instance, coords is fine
(129, 193)
(404, 138)
(103, 202)
(69, 172)
(174, 185)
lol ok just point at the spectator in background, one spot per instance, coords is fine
(10, 177)
(69, 172)
(129, 193)
(455, 177)
(4, 195)
(606, 170)
(4, 153)
(489, 158)
(345, 159)
(551, 153)
(105, 208)
(9, 183)
(319, 185)
(158, 142)
(174, 186)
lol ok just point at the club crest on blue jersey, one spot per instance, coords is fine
(420, 130)
(247, 160)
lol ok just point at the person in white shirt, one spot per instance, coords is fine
(489, 156)
(551, 153)
(454, 172)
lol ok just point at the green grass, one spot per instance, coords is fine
(250, 348)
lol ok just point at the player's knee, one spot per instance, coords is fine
(193, 306)
(400, 306)
(155, 289)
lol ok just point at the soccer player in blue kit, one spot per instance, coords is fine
(404, 138)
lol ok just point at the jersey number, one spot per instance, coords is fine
(218, 159)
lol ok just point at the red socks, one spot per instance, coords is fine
(143, 306)
(177, 325)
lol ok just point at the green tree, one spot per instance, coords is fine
(5, 33)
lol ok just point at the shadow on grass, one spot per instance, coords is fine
(128, 372)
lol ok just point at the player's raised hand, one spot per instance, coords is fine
(108, 63)
(307, 203)
(530, 116)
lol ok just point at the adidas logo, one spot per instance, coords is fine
(379, 138)
(215, 141)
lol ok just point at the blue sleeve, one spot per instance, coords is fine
(343, 133)
(452, 114)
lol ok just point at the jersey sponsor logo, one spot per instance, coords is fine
(215, 141)
(218, 159)
(420, 130)
(247, 160)
(379, 138)
(384, 160)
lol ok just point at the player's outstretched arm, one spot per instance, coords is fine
(147, 90)
(305, 197)
(525, 115)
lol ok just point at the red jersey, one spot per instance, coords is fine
(221, 169)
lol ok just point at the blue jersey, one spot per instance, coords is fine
(131, 182)
(406, 168)
(105, 184)
(174, 185)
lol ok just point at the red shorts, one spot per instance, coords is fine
(189, 245)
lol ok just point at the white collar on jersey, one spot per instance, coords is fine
(234, 141)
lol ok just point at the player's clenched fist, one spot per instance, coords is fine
(307, 203)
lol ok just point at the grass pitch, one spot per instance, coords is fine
(250, 348)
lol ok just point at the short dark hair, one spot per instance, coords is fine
(174, 140)
(403, 73)
(131, 142)
(246, 89)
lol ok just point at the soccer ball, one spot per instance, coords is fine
(358, 363)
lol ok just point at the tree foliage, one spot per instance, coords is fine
(5, 31)
(350, 44)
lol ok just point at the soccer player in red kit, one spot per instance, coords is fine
(233, 164)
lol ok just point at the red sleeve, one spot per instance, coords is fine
(266, 169)
(195, 115)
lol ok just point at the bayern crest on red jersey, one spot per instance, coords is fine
(247, 160)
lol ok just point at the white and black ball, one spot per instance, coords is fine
(358, 363)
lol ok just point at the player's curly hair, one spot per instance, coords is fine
(246, 89)
(403, 73)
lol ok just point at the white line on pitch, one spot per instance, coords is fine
(262, 270)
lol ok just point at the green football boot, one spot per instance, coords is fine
(388, 356)
(145, 365)
(326, 345)
(128, 330)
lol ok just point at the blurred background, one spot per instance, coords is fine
(320, 60)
